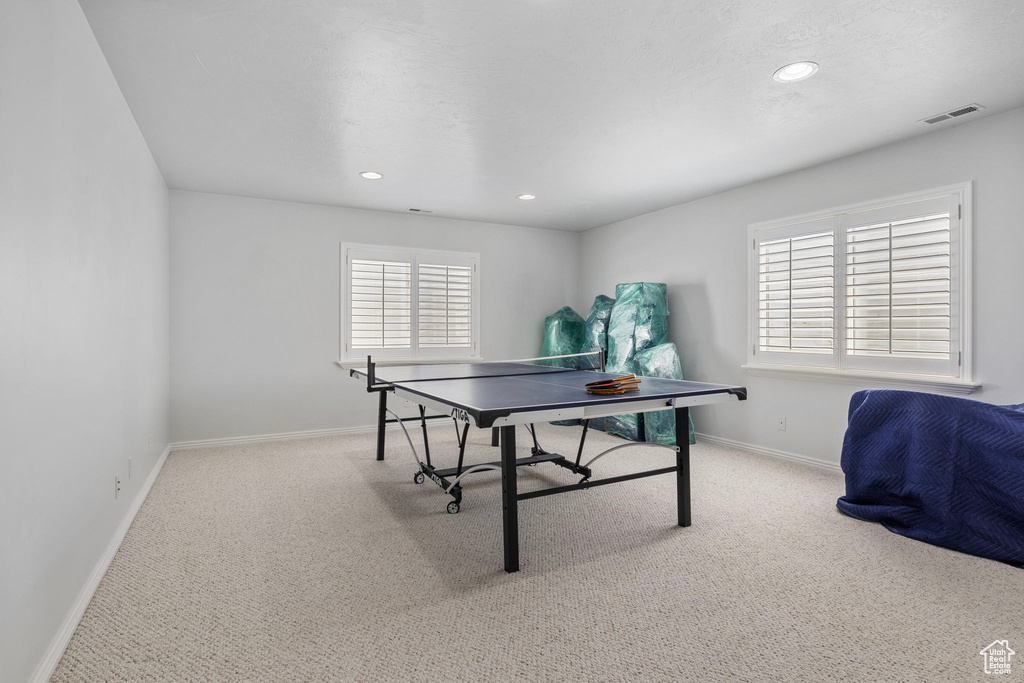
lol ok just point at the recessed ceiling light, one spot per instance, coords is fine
(371, 175)
(797, 71)
(526, 197)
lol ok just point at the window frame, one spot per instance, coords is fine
(413, 256)
(955, 375)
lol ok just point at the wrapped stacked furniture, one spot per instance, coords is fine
(632, 331)
(595, 337)
(661, 361)
(639, 321)
(563, 335)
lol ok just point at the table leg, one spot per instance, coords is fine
(382, 416)
(494, 436)
(509, 495)
(683, 464)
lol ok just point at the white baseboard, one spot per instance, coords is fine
(770, 452)
(280, 436)
(67, 629)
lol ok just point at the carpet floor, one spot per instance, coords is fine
(310, 561)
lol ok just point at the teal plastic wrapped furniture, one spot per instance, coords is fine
(639, 320)
(595, 337)
(563, 334)
(661, 361)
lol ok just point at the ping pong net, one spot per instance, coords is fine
(401, 374)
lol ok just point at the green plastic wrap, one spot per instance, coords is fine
(629, 426)
(563, 334)
(595, 336)
(639, 320)
(661, 361)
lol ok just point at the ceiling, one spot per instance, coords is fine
(603, 109)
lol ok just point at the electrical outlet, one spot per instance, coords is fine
(780, 424)
(117, 486)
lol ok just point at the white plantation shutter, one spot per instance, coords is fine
(881, 287)
(445, 306)
(898, 289)
(796, 290)
(381, 304)
(408, 304)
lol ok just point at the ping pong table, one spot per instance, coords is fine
(501, 395)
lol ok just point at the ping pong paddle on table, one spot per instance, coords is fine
(617, 385)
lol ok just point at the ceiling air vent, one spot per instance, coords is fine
(962, 111)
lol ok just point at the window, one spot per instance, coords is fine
(874, 288)
(409, 304)
(380, 304)
(445, 306)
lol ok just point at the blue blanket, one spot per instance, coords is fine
(940, 469)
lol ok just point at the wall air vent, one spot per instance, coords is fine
(962, 111)
(421, 210)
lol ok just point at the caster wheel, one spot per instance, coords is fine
(418, 478)
(453, 508)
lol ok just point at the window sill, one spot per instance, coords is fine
(384, 362)
(866, 378)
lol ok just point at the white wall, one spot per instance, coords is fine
(83, 318)
(255, 314)
(700, 250)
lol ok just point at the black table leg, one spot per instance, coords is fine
(426, 441)
(382, 414)
(509, 495)
(683, 464)
(494, 436)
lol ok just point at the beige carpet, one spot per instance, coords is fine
(309, 561)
